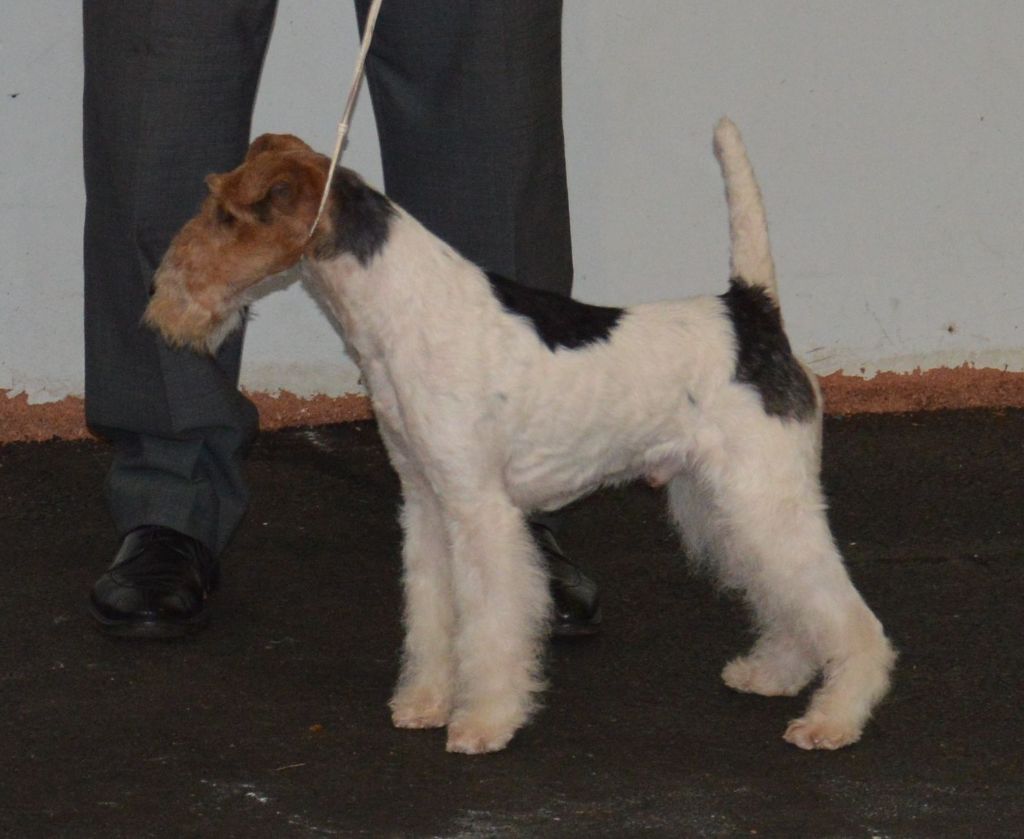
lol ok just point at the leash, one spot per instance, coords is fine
(350, 103)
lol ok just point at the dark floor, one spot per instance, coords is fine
(273, 723)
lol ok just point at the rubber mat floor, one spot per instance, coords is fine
(273, 721)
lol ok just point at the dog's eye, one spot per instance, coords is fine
(281, 191)
(224, 217)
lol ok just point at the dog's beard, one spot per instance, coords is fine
(184, 322)
(227, 326)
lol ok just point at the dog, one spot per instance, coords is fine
(495, 401)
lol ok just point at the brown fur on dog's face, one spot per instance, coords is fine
(254, 223)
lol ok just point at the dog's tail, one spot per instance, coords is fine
(751, 254)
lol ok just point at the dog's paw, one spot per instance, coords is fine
(474, 733)
(419, 709)
(749, 674)
(816, 731)
(470, 740)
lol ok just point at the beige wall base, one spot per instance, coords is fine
(930, 390)
(943, 388)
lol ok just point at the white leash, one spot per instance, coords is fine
(353, 94)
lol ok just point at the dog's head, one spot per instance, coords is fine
(255, 222)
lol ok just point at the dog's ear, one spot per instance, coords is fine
(285, 184)
(276, 142)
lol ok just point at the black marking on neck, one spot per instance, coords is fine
(361, 216)
(559, 321)
(764, 359)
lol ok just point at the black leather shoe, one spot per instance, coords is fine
(577, 608)
(157, 586)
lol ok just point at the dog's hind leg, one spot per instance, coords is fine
(771, 540)
(780, 664)
(503, 607)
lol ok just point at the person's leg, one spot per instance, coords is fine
(169, 92)
(468, 102)
(168, 98)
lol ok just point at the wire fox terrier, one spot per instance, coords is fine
(495, 401)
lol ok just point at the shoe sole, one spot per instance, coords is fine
(150, 630)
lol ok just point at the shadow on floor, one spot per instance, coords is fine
(273, 722)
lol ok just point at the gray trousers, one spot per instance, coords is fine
(467, 98)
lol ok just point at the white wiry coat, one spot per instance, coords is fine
(487, 418)
(485, 422)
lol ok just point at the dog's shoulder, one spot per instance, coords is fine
(559, 321)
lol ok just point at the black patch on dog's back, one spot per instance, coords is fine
(361, 216)
(559, 321)
(764, 359)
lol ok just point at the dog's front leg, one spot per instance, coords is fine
(423, 696)
(503, 606)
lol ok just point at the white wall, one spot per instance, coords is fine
(887, 137)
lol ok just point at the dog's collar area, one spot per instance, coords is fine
(361, 218)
